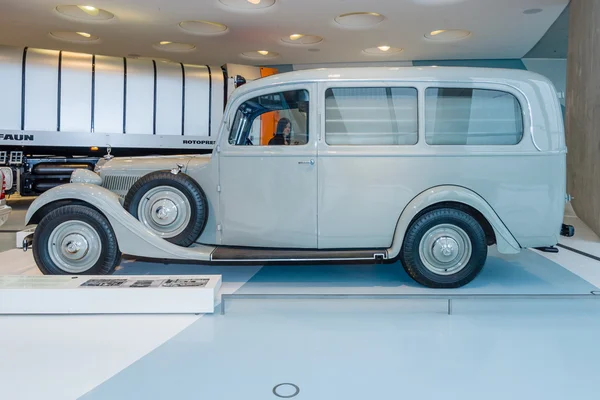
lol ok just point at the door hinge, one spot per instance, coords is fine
(219, 188)
(219, 228)
(218, 149)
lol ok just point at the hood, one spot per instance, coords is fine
(140, 166)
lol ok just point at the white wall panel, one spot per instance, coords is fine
(11, 67)
(108, 104)
(196, 100)
(169, 92)
(140, 97)
(41, 90)
(76, 92)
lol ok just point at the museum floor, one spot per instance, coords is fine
(329, 348)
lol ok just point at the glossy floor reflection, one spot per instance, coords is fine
(375, 350)
(358, 349)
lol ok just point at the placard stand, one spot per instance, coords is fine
(109, 294)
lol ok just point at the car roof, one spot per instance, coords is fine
(425, 74)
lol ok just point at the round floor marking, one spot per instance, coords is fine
(281, 389)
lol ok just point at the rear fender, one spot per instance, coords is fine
(505, 241)
(132, 236)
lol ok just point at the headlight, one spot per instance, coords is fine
(85, 176)
(100, 164)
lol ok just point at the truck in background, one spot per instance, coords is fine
(61, 111)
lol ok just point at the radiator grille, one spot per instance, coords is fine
(119, 184)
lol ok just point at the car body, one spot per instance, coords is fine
(4, 208)
(430, 165)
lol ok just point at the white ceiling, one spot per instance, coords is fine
(500, 29)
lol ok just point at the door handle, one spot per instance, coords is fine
(311, 162)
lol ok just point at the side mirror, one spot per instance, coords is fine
(239, 81)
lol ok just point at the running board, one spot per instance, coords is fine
(258, 254)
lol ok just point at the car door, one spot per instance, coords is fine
(268, 170)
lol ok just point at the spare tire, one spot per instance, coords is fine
(171, 205)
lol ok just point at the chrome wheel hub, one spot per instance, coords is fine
(445, 249)
(74, 246)
(165, 211)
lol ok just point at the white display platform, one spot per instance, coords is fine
(114, 294)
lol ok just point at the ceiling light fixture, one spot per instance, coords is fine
(166, 45)
(359, 19)
(84, 13)
(93, 11)
(260, 54)
(74, 37)
(252, 5)
(203, 27)
(298, 39)
(382, 51)
(448, 35)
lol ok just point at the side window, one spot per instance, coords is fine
(457, 116)
(273, 119)
(371, 116)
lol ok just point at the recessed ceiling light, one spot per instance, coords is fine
(382, 51)
(90, 10)
(533, 11)
(76, 37)
(166, 45)
(448, 34)
(85, 13)
(301, 39)
(359, 19)
(260, 54)
(203, 27)
(248, 4)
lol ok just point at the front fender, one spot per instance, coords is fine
(505, 241)
(132, 236)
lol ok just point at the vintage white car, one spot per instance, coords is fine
(426, 165)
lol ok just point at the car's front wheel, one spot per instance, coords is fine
(76, 240)
(444, 248)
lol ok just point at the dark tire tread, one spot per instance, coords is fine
(110, 256)
(409, 254)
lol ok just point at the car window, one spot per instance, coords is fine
(465, 116)
(371, 116)
(274, 119)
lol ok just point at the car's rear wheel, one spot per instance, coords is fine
(444, 248)
(173, 206)
(77, 240)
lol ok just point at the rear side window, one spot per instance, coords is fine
(371, 116)
(461, 116)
